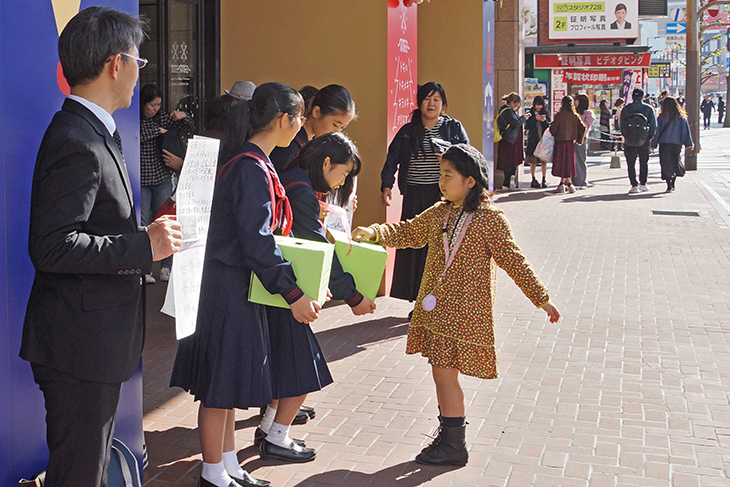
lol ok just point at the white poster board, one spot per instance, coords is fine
(606, 19)
(194, 200)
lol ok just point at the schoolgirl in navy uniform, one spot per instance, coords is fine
(226, 362)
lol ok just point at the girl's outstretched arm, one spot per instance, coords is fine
(413, 233)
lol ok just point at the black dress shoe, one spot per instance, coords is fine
(249, 481)
(204, 483)
(294, 454)
(259, 435)
(309, 410)
(301, 418)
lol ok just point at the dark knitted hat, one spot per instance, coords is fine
(472, 161)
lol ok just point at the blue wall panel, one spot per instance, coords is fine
(29, 96)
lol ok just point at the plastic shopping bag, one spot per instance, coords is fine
(544, 149)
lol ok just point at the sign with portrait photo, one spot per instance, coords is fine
(606, 19)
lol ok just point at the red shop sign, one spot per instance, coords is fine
(593, 77)
(562, 61)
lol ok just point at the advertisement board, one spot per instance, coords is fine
(530, 21)
(607, 19)
(567, 61)
(593, 77)
(533, 88)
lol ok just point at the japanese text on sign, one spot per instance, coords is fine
(592, 60)
(611, 19)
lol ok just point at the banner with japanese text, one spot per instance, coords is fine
(606, 19)
(593, 77)
(567, 61)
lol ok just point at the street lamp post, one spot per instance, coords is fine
(693, 83)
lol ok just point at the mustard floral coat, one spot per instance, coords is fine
(459, 332)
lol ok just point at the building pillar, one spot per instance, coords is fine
(509, 58)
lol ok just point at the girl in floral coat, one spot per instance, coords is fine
(453, 323)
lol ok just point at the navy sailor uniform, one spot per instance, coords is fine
(226, 363)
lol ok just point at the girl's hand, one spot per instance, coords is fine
(305, 310)
(178, 115)
(364, 308)
(171, 160)
(323, 212)
(552, 312)
(354, 203)
(163, 131)
(691, 148)
(363, 233)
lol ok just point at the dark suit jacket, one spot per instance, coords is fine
(85, 315)
(627, 25)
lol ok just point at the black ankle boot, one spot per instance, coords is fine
(448, 448)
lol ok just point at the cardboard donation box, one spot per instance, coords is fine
(364, 261)
(311, 261)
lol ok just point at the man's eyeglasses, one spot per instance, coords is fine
(141, 62)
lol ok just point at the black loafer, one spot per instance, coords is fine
(249, 481)
(309, 410)
(301, 418)
(259, 435)
(204, 483)
(294, 454)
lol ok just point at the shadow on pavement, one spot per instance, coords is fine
(406, 474)
(611, 197)
(345, 341)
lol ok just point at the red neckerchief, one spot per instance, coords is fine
(280, 206)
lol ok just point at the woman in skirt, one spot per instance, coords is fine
(671, 134)
(567, 128)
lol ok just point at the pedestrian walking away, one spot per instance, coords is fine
(605, 125)
(536, 125)
(84, 324)
(510, 149)
(414, 157)
(453, 322)
(568, 129)
(638, 126)
(672, 133)
(226, 363)
(581, 150)
(720, 110)
(707, 107)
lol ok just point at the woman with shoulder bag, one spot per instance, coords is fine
(510, 151)
(672, 132)
(536, 125)
(414, 153)
(568, 129)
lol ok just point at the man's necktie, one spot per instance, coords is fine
(118, 140)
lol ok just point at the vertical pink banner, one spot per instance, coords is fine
(402, 86)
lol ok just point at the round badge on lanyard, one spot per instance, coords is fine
(429, 302)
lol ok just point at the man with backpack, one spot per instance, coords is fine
(638, 126)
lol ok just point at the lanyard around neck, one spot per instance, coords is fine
(449, 251)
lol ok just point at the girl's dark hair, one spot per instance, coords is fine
(216, 115)
(269, 101)
(603, 105)
(333, 99)
(464, 161)
(567, 104)
(671, 109)
(619, 102)
(416, 129)
(538, 100)
(583, 103)
(308, 93)
(341, 150)
(148, 93)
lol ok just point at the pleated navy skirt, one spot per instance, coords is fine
(226, 363)
(298, 365)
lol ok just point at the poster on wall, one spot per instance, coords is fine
(607, 19)
(529, 21)
(488, 87)
(533, 88)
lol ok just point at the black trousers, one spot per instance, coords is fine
(720, 117)
(643, 153)
(80, 417)
(707, 117)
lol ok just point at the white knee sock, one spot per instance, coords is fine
(279, 435)
(230, 461)
(216, 474)
(268, 419)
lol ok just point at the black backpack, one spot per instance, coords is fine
(635, 129)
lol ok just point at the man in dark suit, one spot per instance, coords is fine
(620, 23)
(84, 325)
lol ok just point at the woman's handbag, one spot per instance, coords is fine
(544, 149)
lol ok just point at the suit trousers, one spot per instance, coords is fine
(80, 418)
(643, 152)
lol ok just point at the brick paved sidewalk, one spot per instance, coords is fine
(630, 388)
